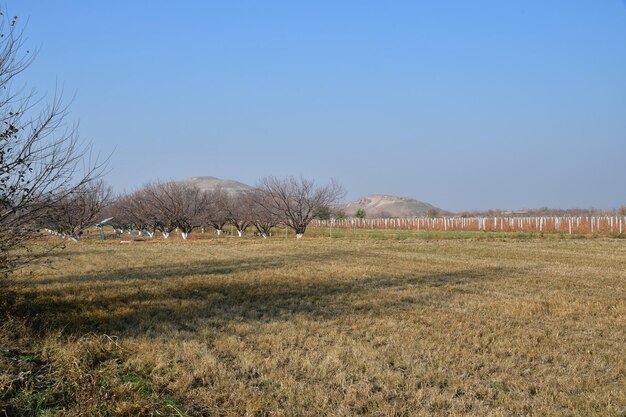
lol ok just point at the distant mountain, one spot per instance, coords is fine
(374, 205)
(212, 183)
(389, 206)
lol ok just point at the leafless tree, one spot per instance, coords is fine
(296, 201)
(174, 205)
(40, 157)
(150, 212)
(238, 212)
(119, 213)
(78, 210)
(190, 201)
(261, 215)
(152, 205)
(215, 211)
(132, 211)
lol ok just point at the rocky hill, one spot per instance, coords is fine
(211, 183)
(389, 206)
(375, 205)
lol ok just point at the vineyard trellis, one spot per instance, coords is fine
(605, 225)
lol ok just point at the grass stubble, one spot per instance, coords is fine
(245, 327)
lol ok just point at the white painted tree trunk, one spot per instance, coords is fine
(264, 235)
(240, 233)
(185, 235)
(150, 234)
(166, 235)
(219, 232)
(299, 235)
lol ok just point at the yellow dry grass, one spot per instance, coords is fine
(340, 327)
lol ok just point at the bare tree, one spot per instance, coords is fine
(155, 204)
(119, 213)
(190, 202)
(78, 210)
(215, 211)
(131, 211)
(142, 214)
(174, 205)
(296, 201)
(238, 212)
(39, 156)
(261, 215)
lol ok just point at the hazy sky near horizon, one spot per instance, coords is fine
(463, 104)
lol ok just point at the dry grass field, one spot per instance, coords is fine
(320, 327)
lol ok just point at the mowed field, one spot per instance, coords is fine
(321, 327)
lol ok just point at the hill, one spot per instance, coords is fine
(377, 205)
(212, 183)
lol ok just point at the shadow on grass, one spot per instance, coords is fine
(210, 294)
(160, 272)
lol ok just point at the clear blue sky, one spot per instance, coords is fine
(463, 104)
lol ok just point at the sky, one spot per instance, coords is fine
(467, 105)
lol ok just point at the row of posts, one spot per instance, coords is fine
(555, 224)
